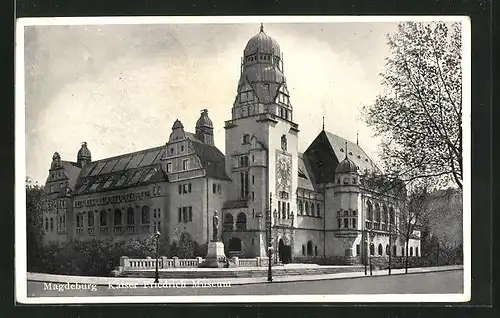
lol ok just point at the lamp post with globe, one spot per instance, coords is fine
(157, 237)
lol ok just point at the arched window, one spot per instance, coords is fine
(386, 215)
(235, 244)
(309, 248)
(402, 251)
(369, 211)
(303, 249)
(118, 217)
(103, 218)
(228, 222)
(307, 208)
(377, 212)
(380, 250)
(130, 216)
(145, 214)
(372, 249)
(283, 210)
(79, 220)
(387, 250)
(394, 250)
(318, 210)
(391, 215)
(241, 222)
(90, 219)
(301, 208)
(411, 251)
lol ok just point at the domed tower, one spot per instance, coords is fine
(204, 128)
(84, 156)
(346, 192)
(262, 141)
(262, 85)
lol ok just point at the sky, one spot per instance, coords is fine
(121, 87)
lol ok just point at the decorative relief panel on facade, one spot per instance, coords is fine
(283, 172)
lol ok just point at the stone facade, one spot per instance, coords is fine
(319, 208)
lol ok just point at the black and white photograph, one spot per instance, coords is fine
(242, 159)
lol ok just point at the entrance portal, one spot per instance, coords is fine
(284, 252)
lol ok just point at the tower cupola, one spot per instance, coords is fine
(84, 156)
(204, 129)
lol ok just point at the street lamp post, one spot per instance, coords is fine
(269, 246)
(157, 276)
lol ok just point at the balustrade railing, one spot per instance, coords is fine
(130, 229)
(103, 229)
(144, 228)
(118, 229)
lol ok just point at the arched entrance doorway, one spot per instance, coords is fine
(284, 252)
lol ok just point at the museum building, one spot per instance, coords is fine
(319, 208)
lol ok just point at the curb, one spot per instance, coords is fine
(40, 277)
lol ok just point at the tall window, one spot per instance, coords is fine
(369, 211)
(377, 212)
(346, 223)
(90, 219)
(79, 220)
(214, 188)
(288, 210)
(118, 217)
(169, 167)
(241, 222)
(130, 216)
(228, 222)
(391, 215)
(190, 214)
(309, 248)
(312, 209)
(386, 215)
(51, 224)
(307, 208)
(184, 164)
(318, 211)
(244, 184)
(103, 218)
(380, 251)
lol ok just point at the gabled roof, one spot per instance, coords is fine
(354, 153)
(305, 176)
(72, 172)
(212, 160)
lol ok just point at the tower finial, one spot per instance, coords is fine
(346, 149)
(357, 138)
(323, 123)
(261, 27)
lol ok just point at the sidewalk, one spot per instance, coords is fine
(232, 281)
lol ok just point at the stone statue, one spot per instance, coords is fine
(215, 220)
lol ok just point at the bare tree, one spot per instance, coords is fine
(419, 114)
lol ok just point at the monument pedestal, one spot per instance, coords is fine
(215, 256)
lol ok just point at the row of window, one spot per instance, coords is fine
(184, 188)
(241, 222)
(185, 214)
(216, 188)
(308, 249)
(185, 165)
(284, 113)
(379, 216)
(380, 250)
(309, 208)
(260, 56)
(47, 224)
(117, 217)
(283, 210)
(347, 223)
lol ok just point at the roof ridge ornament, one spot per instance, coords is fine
(261, 27)
(346, 149)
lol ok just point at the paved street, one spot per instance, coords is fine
(432, 282)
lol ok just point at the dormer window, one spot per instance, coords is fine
(182, 147)
(266, 86)
(350, 153)
(341, 150)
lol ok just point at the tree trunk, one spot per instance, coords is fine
(406, 255)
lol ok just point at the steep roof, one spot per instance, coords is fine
(305, 176)
(72, 172)
(212, 160)
(355, 153)
(121, 171)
